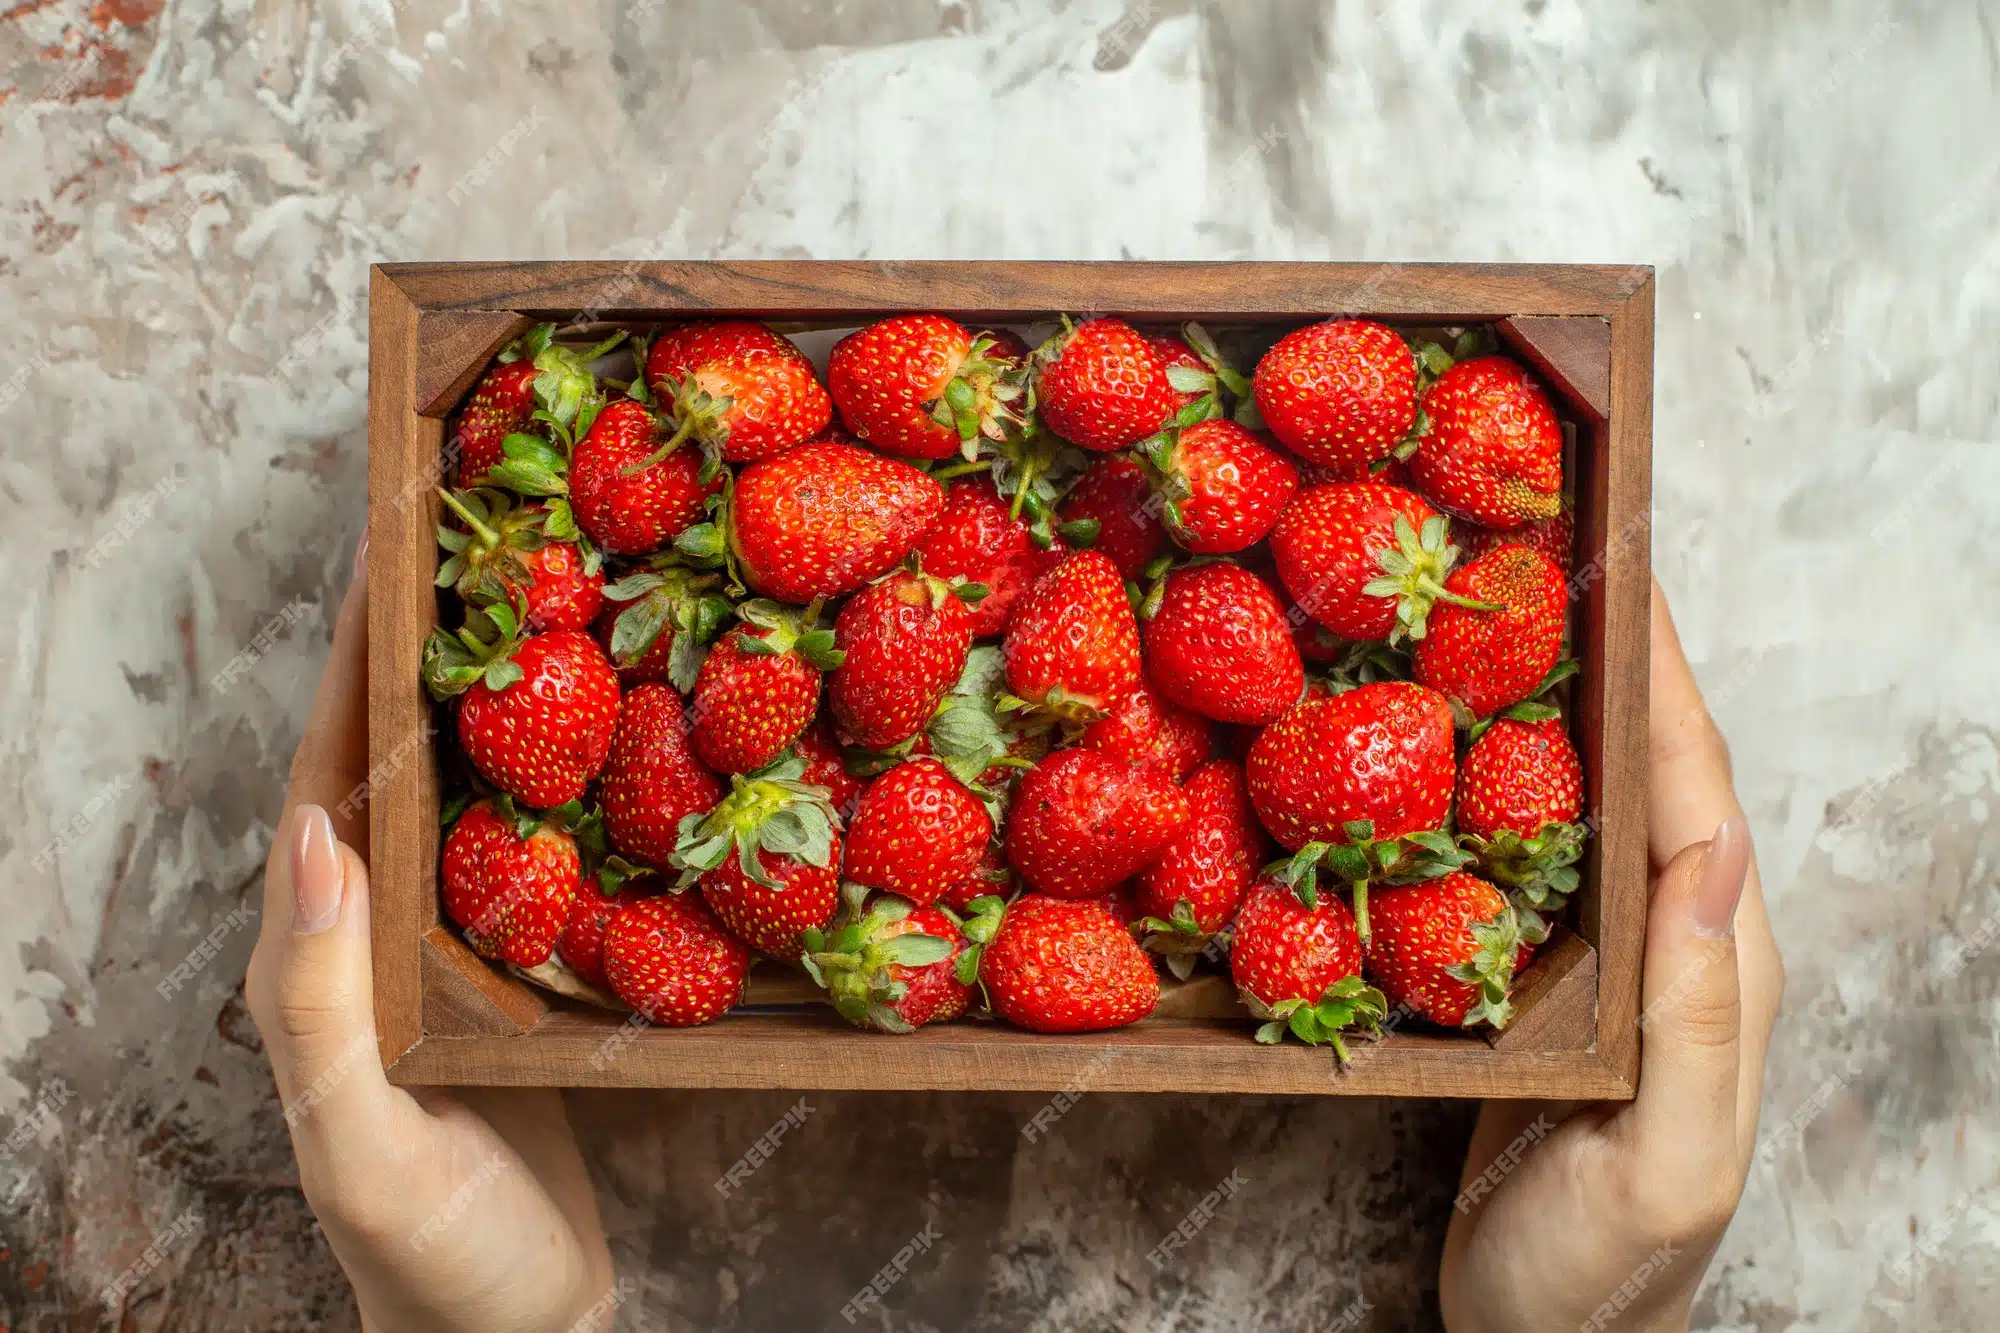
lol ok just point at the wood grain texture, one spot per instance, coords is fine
(1555, 1000)
(1573, 353)
(789, 289)
(457, 344)
(817, 1050)
(466, 997)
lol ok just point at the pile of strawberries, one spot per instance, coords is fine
(978, 676)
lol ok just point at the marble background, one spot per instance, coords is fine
(194, 190)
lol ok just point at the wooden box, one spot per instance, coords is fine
(446, 1016)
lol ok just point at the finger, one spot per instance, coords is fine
(331, 763)
(1685, 1118)
(310, 991)
(1692, 790)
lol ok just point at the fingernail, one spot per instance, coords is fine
(316, 873)
(361, 555)
(1719, 881)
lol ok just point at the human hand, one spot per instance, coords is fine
(1612, 1218)
(467, 1211)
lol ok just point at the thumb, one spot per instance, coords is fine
(310, 990)
(1692, 1017)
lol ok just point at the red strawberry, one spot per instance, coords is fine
(1487, 656)
(1144, 729)
(504, 401)
(1446, 948)
(823, 519)
(1494, 451)
(510, 893)
(1007, 346)
(1058, 966)
(1115, 495)
(991, 877)
(918, 832)
(976, 539)
(1381, 753)
(1192, 891)
(1391, 471)
(1220, 644)
(655, 622)
(759, 687)
(905, 641)
(894, 969)
(1553, 537)
(1341, 393)
(827, 767)
(1073, 647)
(741, 389)
(1298, 968)
(1520, 790)
(653, 781)
(920, 386)
(633, 489)
(767, 858)
(581, 944)
(506, 552)
(1102, 386)
(1365, 559)
(1122, 904)
(1083, 821)
(537, 718)
(1221, 488)
(670, 959)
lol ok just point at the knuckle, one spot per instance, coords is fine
(1706, 1018)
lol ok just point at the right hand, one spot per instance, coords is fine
(465, 1211)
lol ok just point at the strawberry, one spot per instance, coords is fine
(1553, 537)
(1220, 487)
(1060, 966)
(1219, 644)
(653, 781)
(538, 713)
(1446, 948)
(976, 539)
(1123, 904)
(535, 372)
(509, 883)
(920, 386)
(1192, 890)
(507, 552)
(744, 391)
(893, 968)
(581, 944)
(1102, 386)
(990, 878)
(759, 687)
(1380, 753)
(656, 621)
(1495, 651)
(905, 640)
(1494, 450)
(827, 767)
(1298, 968)
(1365, 559)
(825, 518)
(1115, 495)
(1083, 821)
(1520, 790)
(918, 831)
(671, 960)
(1144, 729)
(767, 858)
(634, 490)
(1072, 650)
(1341, 393)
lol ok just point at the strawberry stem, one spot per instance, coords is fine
(487, 536)
(1444, 594)
(957, 470)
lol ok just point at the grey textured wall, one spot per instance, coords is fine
(193, 191)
